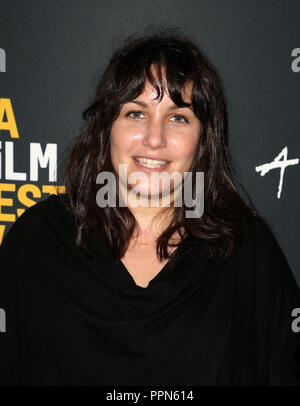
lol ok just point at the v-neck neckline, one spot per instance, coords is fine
(169, 280)
(122, 267)
(191, 270)
(168, 275)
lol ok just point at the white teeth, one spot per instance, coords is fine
(151, 163)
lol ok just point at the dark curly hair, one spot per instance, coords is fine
(225, 212)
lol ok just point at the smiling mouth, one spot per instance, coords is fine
(151, 163)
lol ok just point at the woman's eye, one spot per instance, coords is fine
(179, 118)
(137, 114)
(134, 114)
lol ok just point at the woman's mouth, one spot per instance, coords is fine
(151, 164)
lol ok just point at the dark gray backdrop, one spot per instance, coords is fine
(56, 49)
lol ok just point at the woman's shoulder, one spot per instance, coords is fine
(51, 213)
(260, 255)
(53, 205)
(259, 235)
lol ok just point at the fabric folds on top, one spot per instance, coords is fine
(74, 319)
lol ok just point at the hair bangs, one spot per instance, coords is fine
(165, 68)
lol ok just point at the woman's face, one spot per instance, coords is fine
(148, 130)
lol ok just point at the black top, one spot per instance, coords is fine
(76, 319)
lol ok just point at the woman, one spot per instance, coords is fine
(141, 294)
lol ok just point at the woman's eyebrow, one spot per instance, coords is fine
(172, 107)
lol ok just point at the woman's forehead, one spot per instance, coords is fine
(149, 91)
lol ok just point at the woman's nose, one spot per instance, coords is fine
(155, 135)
